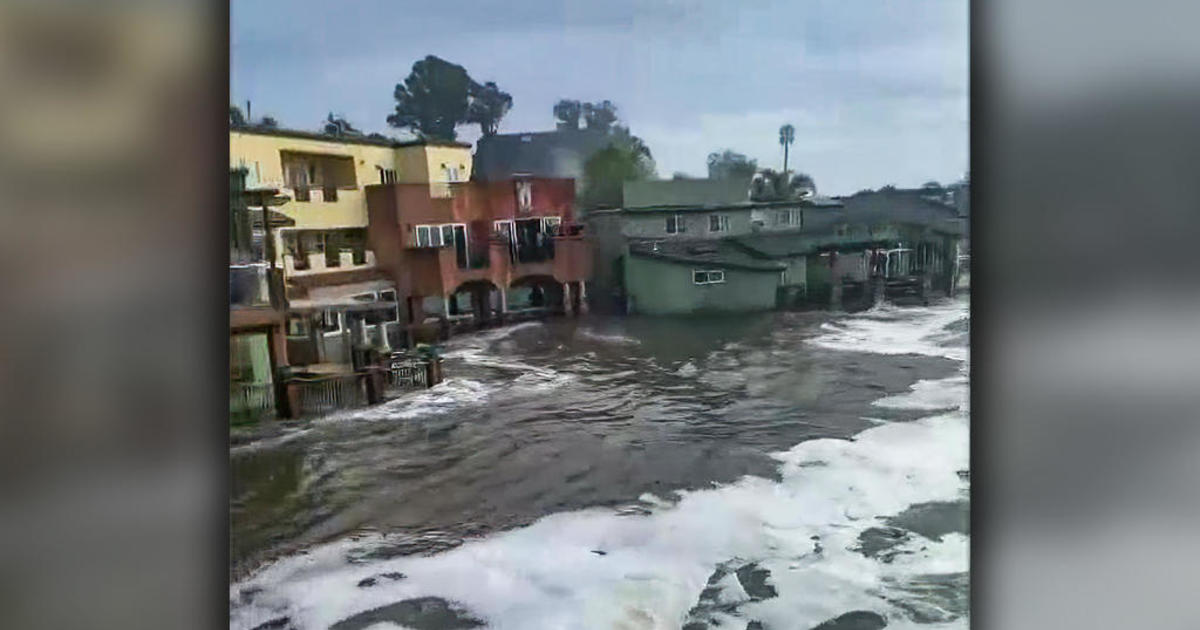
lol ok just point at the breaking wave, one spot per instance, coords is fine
(849, 527)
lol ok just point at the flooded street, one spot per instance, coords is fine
(781, 469)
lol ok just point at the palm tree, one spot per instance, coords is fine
(787, 135)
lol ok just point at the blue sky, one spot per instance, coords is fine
(878, 92)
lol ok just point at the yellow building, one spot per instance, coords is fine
(324, 178)
(329, 271)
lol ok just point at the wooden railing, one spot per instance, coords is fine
(324, 394)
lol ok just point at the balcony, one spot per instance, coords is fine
(319, 262)
(320, 208)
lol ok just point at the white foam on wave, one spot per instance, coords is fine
(450, 394)
(656, 560)
(654, 567)
(887, 329)
(948, 393)
(607, 338)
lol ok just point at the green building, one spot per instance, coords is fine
(688, 246)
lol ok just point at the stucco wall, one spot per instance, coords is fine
(659, 287)
(654, 224)
(741, 223)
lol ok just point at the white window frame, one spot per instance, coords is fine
(341, 322)
(722, 223)
(547, 222)
(679, 224)
(711, 276)
(437, 234)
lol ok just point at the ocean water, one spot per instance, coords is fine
(783, 470)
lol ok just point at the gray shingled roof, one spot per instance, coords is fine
(540, 154)
(719, 253)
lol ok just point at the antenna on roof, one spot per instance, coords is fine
(248, 118)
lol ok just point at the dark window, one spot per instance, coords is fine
(329, 322)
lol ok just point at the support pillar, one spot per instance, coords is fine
(583, 306)
(444, 322)
(954, 272)
(567, 309)
(503, 303)
(835, 284)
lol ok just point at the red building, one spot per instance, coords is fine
(487, 242)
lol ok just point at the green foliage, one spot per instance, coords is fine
(568, 113)
(772, 185)
(268, 122)
(787, 135)
(488, 105)
(433, 100)
(625, 159)
(730, 165)
(600, 116)
(236, 117)
(438, 96)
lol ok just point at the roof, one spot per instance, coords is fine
(379, 142)
(686, 192)
(719, 253)
(902, 206)
(559, 154)
(743, 205)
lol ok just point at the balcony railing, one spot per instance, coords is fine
(323, 394)
(248, 401)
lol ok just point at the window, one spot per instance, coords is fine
(718, 223)
(364, 297)
(387, 175)
(297, 326)
(550, 225)
(429, 236)
(709, 276)
(330, 322)
(447, 234)
(676, 224)
(789, 217)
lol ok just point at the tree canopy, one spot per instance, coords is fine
(236, 117)
(730, 165)
(625, 159)
(568, 113)
(601, 116)
(488, 105)
(772, 185)
(438, 96)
